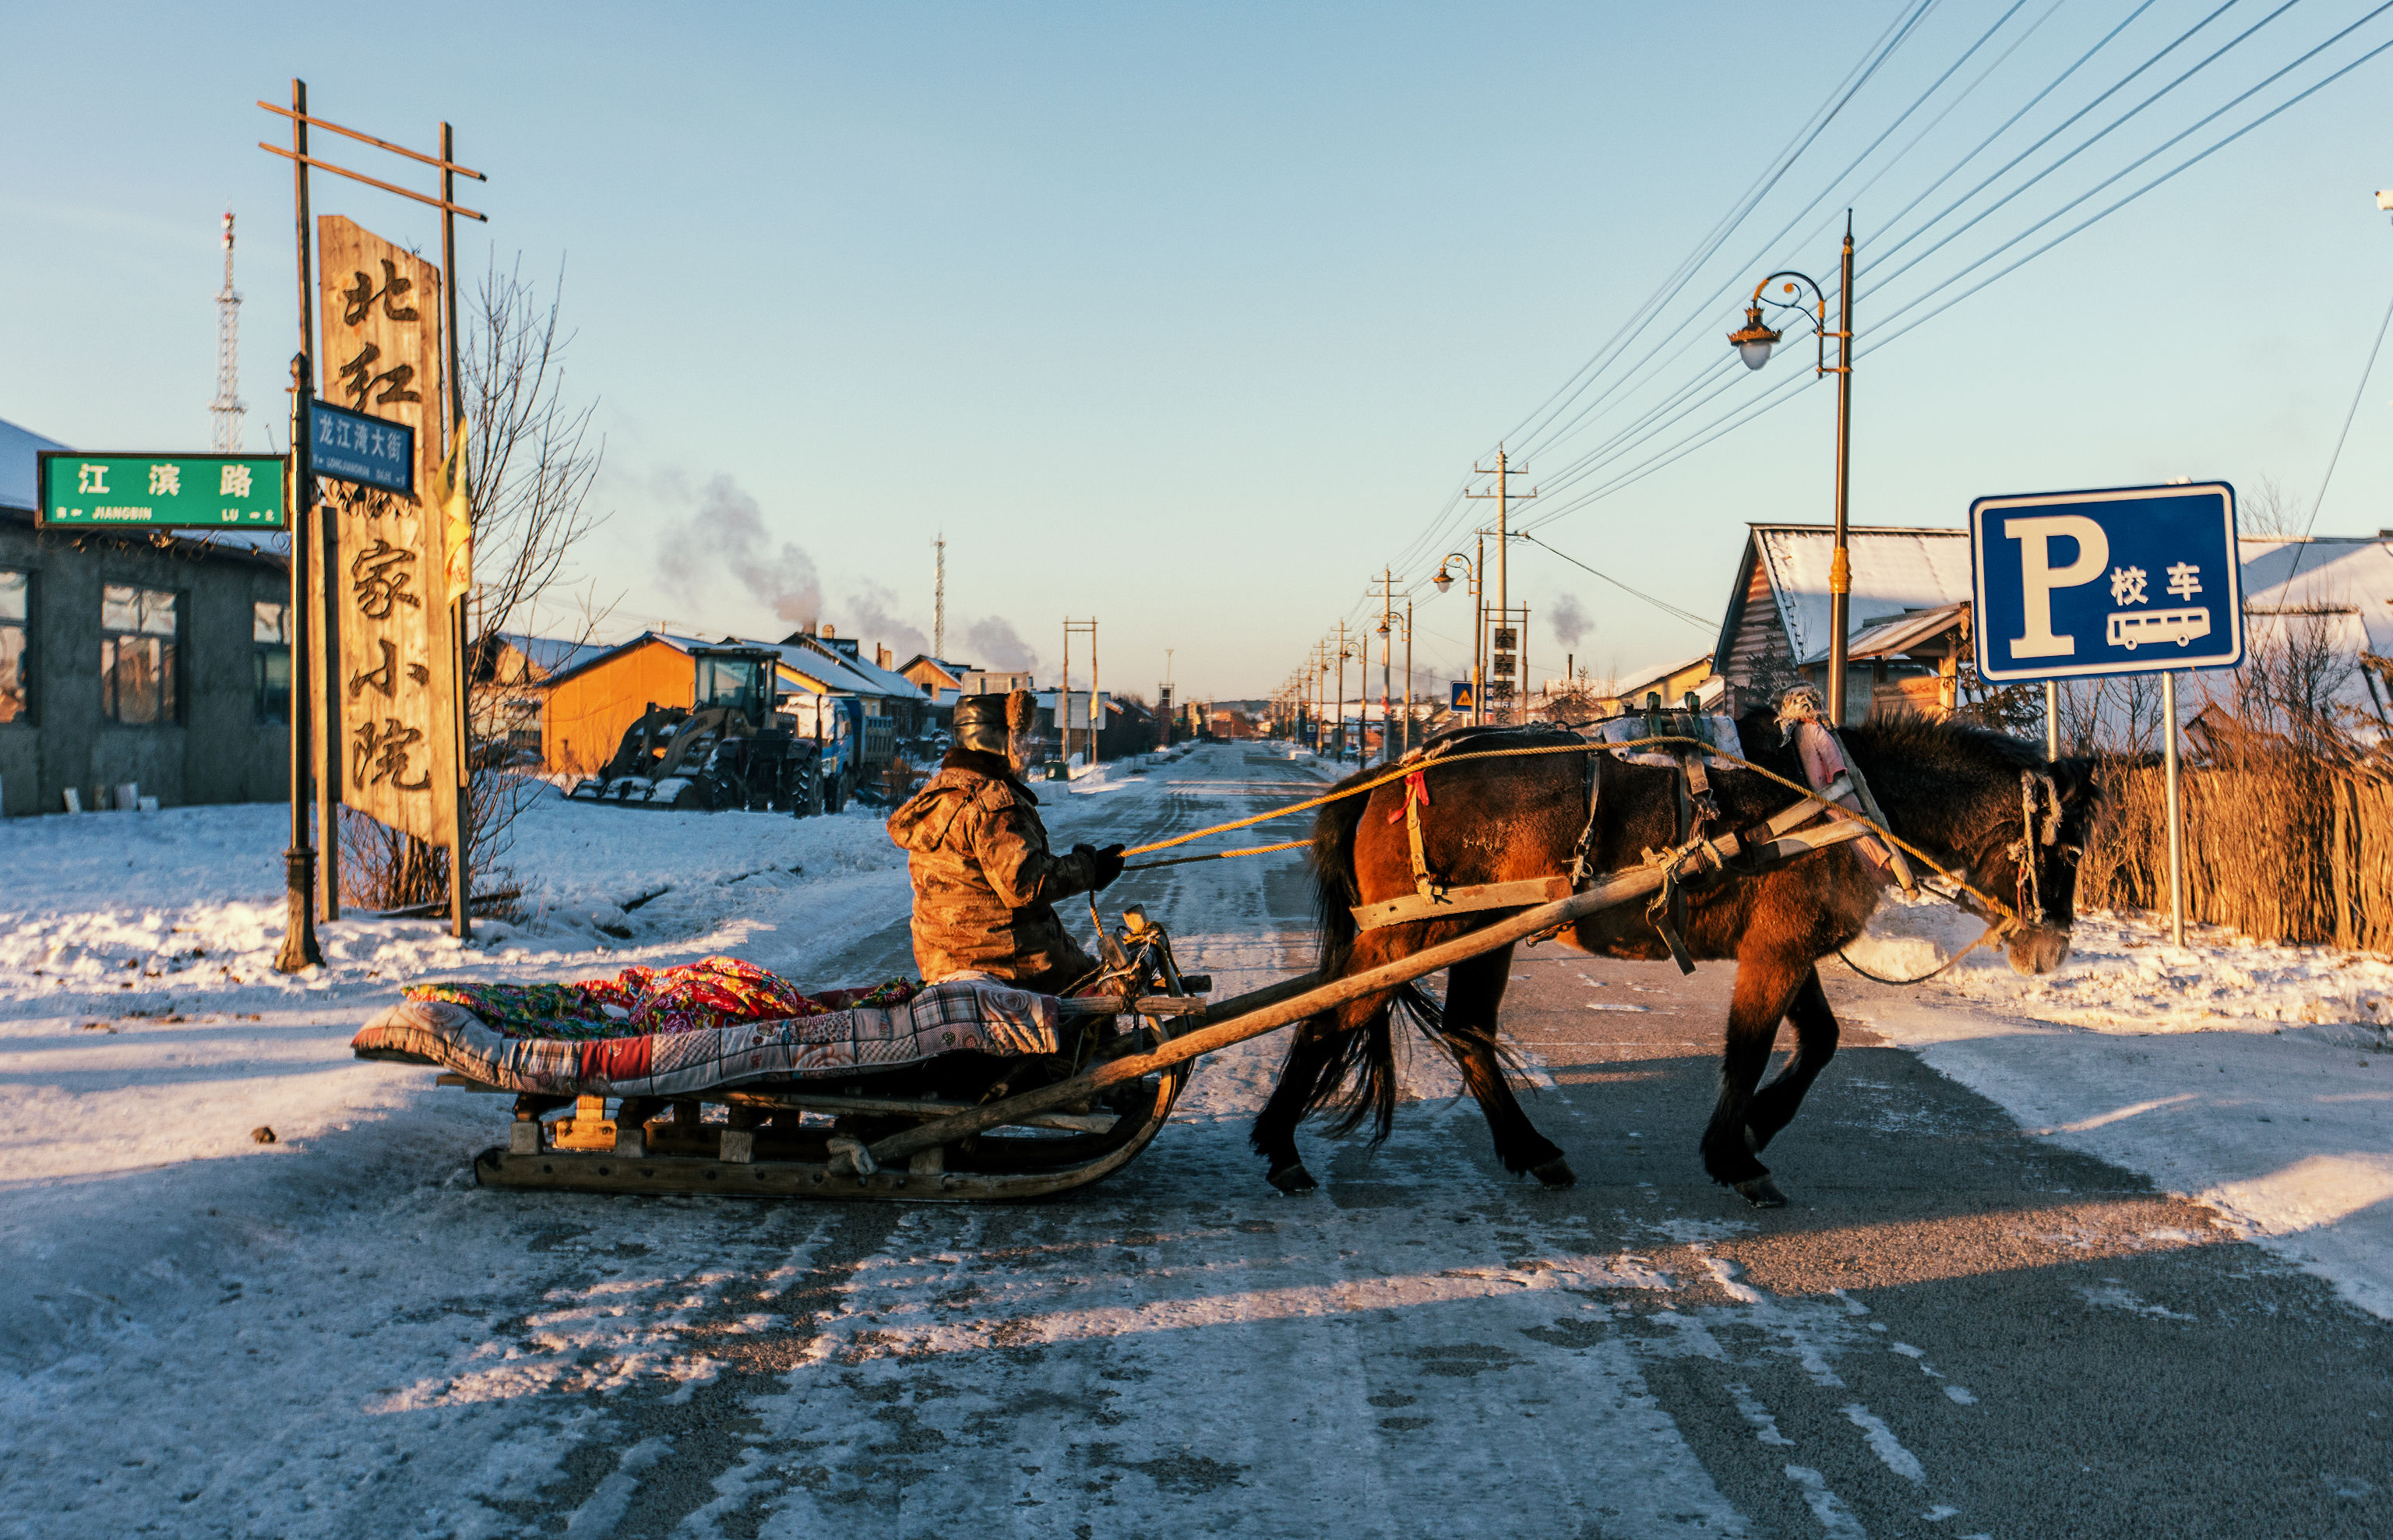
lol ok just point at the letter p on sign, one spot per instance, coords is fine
(2038, 576)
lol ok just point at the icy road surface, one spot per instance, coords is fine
(1964, 1325)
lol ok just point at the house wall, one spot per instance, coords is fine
(1758, 656)
(584, 715)
(216, 751)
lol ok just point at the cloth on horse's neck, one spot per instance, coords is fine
(1824, 760)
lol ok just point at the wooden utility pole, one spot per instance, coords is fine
(1408, 676)
(1504, 497)
(1086, 628)
(1387, 641)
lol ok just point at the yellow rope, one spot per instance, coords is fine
(1216, 855)
(1402, 770)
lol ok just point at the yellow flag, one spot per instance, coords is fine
(457, 518)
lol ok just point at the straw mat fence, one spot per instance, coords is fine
(2282, 847)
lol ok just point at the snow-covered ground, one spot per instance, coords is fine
(2255, 1077)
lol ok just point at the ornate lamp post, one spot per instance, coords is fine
(1753, 343)
(1444, 581)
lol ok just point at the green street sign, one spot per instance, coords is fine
(161, 491)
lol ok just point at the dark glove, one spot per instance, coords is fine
(1107, 863)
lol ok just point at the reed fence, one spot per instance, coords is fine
(2281, 848)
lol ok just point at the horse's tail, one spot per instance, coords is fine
(1360, 1079)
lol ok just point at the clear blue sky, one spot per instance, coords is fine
(1191, 319)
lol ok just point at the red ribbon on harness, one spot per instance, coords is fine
(1416, 790)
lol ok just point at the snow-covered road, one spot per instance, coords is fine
(340, 1334)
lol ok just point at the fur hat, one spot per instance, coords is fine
(1021, 711)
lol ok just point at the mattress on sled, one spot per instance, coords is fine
(661, 1044)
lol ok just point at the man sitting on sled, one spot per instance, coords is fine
(984, 882)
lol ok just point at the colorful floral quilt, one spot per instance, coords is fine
(711, 992)
(716, 1023)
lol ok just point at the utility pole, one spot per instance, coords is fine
(1344, 652)
(1387, 639)
(227, 408)
(1504, 498)
(1086, 628)
(1408, 676)
(939, 599)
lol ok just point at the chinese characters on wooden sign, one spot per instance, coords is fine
(396, 726)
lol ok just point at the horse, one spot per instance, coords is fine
(1985, 806)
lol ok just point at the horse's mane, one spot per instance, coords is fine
(1957, 746)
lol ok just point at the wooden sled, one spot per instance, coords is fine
(1034, 1145)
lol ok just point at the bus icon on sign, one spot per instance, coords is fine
(2131, 629)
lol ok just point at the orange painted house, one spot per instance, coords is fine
(587, 709)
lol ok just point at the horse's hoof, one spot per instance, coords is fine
(1292, 1178)
(1555, 1173)
(1762, 1193)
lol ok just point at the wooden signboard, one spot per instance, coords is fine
(396, 689)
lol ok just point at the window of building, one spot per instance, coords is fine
(137, 653)
(16, 629)
(269, 632)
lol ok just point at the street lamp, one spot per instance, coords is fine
(1753, 343)
(1444, 581)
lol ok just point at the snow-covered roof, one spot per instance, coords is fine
(1893, 638)
(1893, 570)
(550, 654)
(2325, 573)
(1646, 679)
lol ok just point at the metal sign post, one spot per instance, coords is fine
(2130, 580)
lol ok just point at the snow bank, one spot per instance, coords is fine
(2123, 974)
(109, 910)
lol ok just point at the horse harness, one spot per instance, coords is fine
(1693, 856)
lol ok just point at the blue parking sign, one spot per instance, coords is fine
(2132, 580)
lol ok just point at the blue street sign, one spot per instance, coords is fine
(1461, 696)
(354, 446)
(2135, 579)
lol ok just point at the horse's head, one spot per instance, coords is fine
(2030, 861)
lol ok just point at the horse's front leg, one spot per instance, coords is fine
(1766, 983)
(1815, 1044)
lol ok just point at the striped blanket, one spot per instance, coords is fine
(953, 1016)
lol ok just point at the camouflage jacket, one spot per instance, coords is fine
(984, 882)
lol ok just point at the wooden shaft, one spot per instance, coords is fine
(1268, 1010)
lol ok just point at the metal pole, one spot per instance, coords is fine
(2051, 720)
(299, 948)
(1408, 676)
(461, 883)
(326, 878)
(1479, 634)
(1337, 742)
(1096, 704)
(2176, 814)
(1840, 569)
(1064, 700)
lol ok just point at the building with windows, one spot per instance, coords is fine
(153, 661)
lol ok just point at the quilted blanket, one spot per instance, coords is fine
(718, 1024)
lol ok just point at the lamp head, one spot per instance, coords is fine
(1443, 580)
(1754, 341)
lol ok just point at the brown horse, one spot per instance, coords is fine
(1985, 806)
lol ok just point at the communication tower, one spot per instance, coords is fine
(227, 408)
